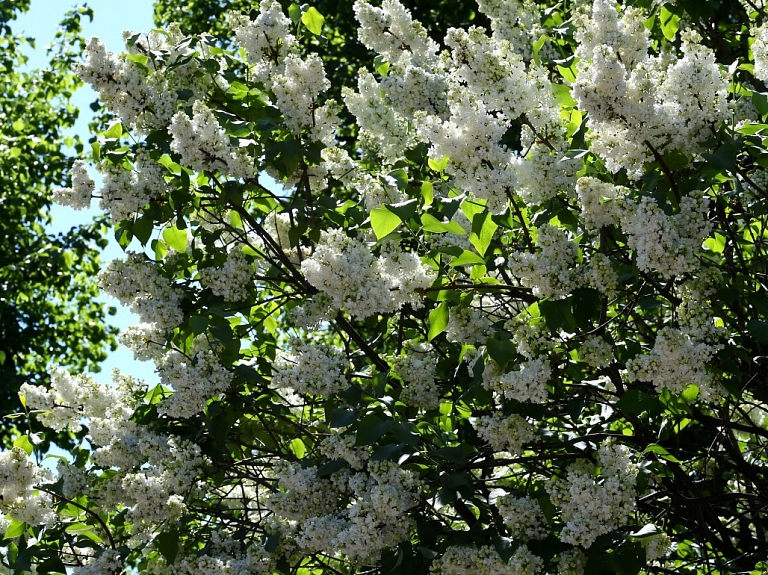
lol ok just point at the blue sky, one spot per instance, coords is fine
(111, 17)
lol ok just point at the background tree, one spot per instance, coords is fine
(48, 310)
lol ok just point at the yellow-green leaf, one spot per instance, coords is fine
(383, 222)
(670, 23)
(176, 238)
(313, 20)
(438, 320)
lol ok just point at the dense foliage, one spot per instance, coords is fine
(47, 282)
(513, 322)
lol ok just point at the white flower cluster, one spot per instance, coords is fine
(592, 506)
(362, 283)
(517, 22)
(194, 379)
(378, 191)
(122, 87)
(666, 244)
(694, 313)
(322, 521)
(599, 274)
(312, 368)
(342, 446)
(544, 171)
(155, 492)
(19, 498)
(657, 546)
(523, 516)
(599, 207)
(505, 432)
(312, 311)
(391, 32)
(469, 138)
(549, 271)
(417, 368)
(296, 89)
(152, 473)
(145, 340)
(676, 361)
(267, 40)
(492, 70)
(138, 284)
(486, 561)
(69, 399)
(382, 130)
(760, 51)
(296, 82)
(124, 192)
(108, 561)
(143, 91)
(572, 562)
(467, 325)
(531, 337)
(641, 106)
(204, 145)
(255, 561)
(596, 352)
(232, 280)
(528, 384)
(80, 194)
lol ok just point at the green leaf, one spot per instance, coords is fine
(500, 350)
(381, 65)
(758, 329)
(15, 529)
(114, 131)
(294, 12)
(339, 417)
(431, 224)
(635, 401)
(483, 228)
(724, 158)
(438, 320)
(384, 222)
(670, 23)
(537, 47)
(2, 360)
(427, 193)
(142, 229)
(313, 20)
(401, 177)
(298, 448)
(198, 324)
(167, 543)
(644, 532)
(24, 442)
(661, 452)
(568, 73)
(176, 238)
(371, 428)
(438, 165)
